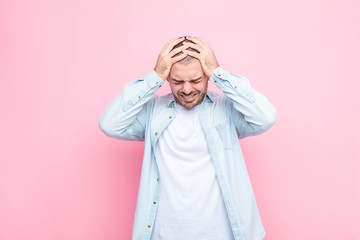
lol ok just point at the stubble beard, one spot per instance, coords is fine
(198, 99)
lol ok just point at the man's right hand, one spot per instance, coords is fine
(166, 58)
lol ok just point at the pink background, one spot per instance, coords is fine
(61, 62)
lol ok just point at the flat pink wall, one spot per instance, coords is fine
(61, 62)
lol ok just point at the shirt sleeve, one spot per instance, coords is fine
(250, 111)
(125, 117)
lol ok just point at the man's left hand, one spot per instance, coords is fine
(206, 56)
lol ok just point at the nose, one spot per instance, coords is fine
(187, 88)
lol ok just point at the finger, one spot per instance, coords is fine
(204, 42)
(166, 50)
(199, 42)
(173, 43)
(178, 58)
(177, 50)
(195, 46)
(193, 54)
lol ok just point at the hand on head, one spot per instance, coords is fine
(170, 55)
(167, 57)
(204, 54)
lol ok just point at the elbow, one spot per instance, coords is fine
(106, 127)
(270, 119)
(113, 129)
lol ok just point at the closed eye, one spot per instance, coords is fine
(197, 80)
(177, 82)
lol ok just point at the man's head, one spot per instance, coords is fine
(187, 80)
(188, 59)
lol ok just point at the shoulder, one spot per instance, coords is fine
(158, 103)
(164, 100)
(218, 99)
(213, 95)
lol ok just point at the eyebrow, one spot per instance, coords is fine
(193, 80)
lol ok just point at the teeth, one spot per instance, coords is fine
(188, 97)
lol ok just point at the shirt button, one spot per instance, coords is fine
(219, 74)
(208, 101)
(170, 117)
(235, 86)
(139, 96)
(157, 83)
(156, 133)
(149, 226)
(155, 157)
(158, 179)
(215, 80)
(154, 202)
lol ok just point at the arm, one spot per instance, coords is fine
(251, 112)
(126, 116)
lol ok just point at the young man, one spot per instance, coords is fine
(194, 184)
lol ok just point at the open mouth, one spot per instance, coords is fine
(188, 98)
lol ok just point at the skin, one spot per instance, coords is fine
(188, 82)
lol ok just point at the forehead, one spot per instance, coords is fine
(189, 71)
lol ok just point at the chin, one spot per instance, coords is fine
(190, 105)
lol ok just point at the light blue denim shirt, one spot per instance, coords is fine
(138, 114)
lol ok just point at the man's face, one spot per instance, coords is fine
(188, 83)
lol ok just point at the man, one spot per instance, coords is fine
(194, 184)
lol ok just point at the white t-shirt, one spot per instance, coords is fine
(190, 204)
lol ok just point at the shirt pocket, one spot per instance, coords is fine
(227, 135)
